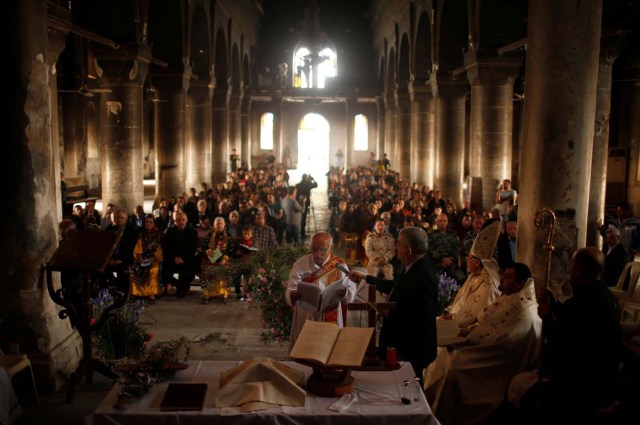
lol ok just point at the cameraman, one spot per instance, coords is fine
(304, 195)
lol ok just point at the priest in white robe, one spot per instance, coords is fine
(468, 383)
(481, 287)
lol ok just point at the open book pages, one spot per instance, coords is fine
(448, 331)
(320, 299)
(329, 345)
(215, 256)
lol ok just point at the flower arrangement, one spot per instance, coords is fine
(120, 335)
(158, 363)
(448, 287)
(265, 286)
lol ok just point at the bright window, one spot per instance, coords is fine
(266, 131)
(306, 63)
(361, 133)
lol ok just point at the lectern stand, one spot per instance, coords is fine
(85, 254)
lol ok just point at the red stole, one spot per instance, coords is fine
(329, 270)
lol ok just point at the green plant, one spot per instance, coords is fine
(120, 335)
(269, 269)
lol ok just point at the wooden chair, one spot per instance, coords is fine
(18, 366)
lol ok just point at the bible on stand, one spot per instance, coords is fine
(328, 345)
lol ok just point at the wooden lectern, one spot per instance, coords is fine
(84, 254)
(371, 361)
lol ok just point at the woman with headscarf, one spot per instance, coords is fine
(145, 276)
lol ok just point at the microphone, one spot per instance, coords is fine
(342, 268)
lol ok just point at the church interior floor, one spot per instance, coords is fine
(219, 332)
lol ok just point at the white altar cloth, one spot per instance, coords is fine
(377, 392)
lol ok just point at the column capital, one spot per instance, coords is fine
(445, 85)
(132, 58)
(484, 68)
(611, 44)
(419, 91)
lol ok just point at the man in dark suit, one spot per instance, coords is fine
(616, 257)
(507, 245)
(411, 327)
(180, 244)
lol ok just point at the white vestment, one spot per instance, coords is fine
(466, 385)
(302, 312)
(476, 293)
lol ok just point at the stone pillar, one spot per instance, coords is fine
(124, 72)
(450, 138)
(350, 127)
(390, 131)
(245, 129)
(382, 131)
(234, 102)
(169, 132)
(630, 124)
(30, 163)
(74, 130)
(610, 45)
(402, 152)
(561, 82)
(219, 130)
(491, 126)
(279, 149)
(198, 147)
(423, 141)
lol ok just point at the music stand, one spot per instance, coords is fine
(84, 252)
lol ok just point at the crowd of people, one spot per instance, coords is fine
(406, 236)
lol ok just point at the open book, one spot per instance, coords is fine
(448, 333)
(319, 298)
(329, 345)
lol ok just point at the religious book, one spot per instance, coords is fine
(248, 248)
(448, 333)
(215, 256)
(184, 396)
(319, 298)
(327, 344)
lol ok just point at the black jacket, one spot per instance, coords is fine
(411, 327)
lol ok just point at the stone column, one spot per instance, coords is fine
(169, 132)
(610, 45)
(382, 131)
(74, 130)
(349, 128)
(450, 138)
(630, 124)
(234, 102)
(390, 130)
(124, 72)
(402, 152)
(278, 148)
(31, 166)
(245, 129)
(219, 130)
(423, 141)
(491, 126)
(198, 145)
(561, 83)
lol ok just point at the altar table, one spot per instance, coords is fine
(378, 402)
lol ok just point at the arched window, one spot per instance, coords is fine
(266, 131)
(306, 64)
(361, 133)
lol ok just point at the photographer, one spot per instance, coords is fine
(304, 195)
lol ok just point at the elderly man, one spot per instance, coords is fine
(380, 248)
(319, 269)
(180, 246)
(504, 341)
(582, 349)
(615, 257)
(481, 287)
(411, 327)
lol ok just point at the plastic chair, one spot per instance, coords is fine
(627, 282)
(18, 367)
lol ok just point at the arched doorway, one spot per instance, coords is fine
(313, 149)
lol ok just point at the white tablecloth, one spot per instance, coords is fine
(378, 402)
